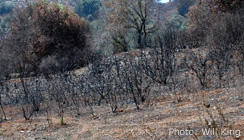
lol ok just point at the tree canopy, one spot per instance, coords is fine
(5, 7)
(88, 8)
(44, 29)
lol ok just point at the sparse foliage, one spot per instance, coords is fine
(127, 16)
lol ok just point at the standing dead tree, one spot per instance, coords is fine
(58, 93)
(3, 72)
(202, 66)
(161, 64)
(118, 75)
(1, 103)
(86, 95)
(98, 82)
(29, 91)
(103, 83)
(135, 82)
(73, 89)
(31, 98)
(221, 58)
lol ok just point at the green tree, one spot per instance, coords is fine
(88, 8)
(177, 21)
(5, 8)
(4, 24)
(183, 6)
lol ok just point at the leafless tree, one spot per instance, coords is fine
(202, 65)
(58, 93)
(135, 83)
(98, 82)
(3, 72)
(32, 97)
(133, 15)
(161, 66)
(1, 103)
(88, 97)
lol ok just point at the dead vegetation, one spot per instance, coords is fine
(118, 99)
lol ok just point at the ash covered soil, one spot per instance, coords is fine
(193, 111)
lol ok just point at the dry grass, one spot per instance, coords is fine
(148, 123)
